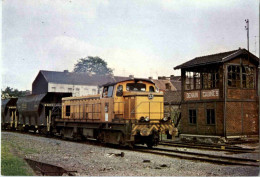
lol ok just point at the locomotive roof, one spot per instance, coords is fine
(134, 79)
(216, 58)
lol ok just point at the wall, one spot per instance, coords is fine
(77, 90)
(201, 127)
(39, 85)
(242, 106)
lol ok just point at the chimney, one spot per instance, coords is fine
(66, 71)
(131, 76)
(150, 78)
(162, 78)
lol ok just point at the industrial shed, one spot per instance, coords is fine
(219, 94)
(79, 84)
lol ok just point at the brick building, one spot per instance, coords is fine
(219, 94)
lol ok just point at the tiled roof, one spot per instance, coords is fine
(215, 58)
(172, 97)
(176, 84)
(161, 84)
(79, 78)
(175, 78)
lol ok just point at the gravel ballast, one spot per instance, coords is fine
(92, 160)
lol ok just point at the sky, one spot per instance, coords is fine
(135, 37)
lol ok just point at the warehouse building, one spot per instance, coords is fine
(79, 84)
(219, 94)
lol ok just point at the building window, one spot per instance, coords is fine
(210, 80)
(67, 110)
(70, 90)
(168, 86)
(248, 77)
(192, 116)
(234, 76)
(77, 93)
(210, 116)
(192, 80)
(94, 91)
(53, 89)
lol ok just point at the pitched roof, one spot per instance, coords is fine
(215, 58)
(172, 97)
(176, 84)
(161, 84)
(79, 78)
(175, 78)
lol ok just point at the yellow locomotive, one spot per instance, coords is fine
(127, 112)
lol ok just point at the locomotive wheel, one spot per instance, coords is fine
(150, 145)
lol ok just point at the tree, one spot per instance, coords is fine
(93, 65)
(13, 93)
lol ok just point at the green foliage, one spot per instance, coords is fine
(12, 165)
(93, 65)
(11, 93)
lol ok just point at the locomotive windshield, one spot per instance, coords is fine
(135, 87)
(108, 91)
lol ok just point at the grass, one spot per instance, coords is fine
(12, 165)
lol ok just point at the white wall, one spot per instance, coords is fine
(77, 90)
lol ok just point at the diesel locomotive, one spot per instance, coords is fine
(127, 112)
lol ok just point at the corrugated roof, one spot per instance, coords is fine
(215, 58)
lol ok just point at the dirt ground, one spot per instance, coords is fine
(92, 160)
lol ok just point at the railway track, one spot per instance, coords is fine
(234, 149)
(217, 159)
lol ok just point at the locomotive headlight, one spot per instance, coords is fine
(165, 119)
(147, 119)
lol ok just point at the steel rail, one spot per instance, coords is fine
(207, 148)
(198, 157)
(210, 145)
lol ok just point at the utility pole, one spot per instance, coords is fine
(255, 44)
(247, 28)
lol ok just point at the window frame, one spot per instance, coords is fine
(209, 119)
(129, 90)
(192, 116)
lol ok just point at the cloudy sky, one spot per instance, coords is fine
(140, 37)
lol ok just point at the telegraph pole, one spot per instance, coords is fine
(247, 28)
